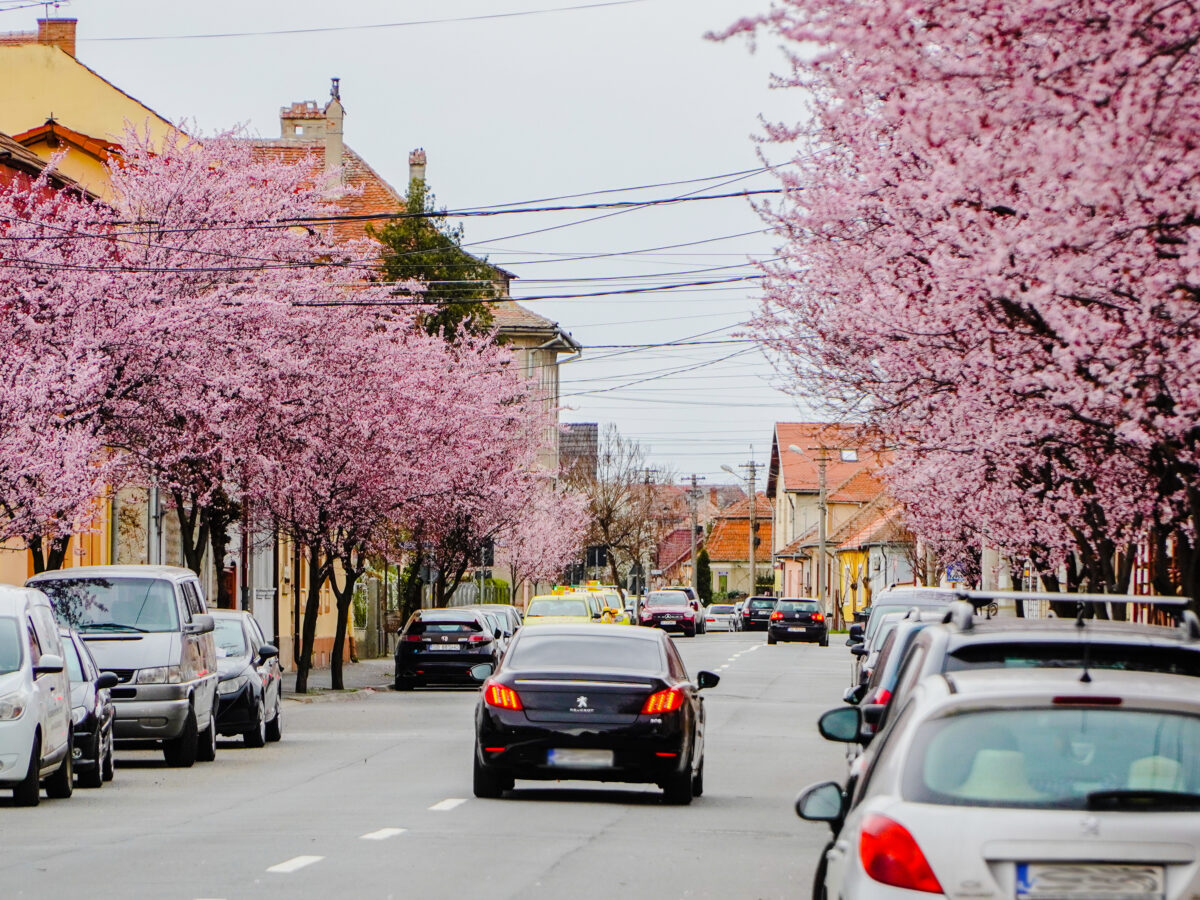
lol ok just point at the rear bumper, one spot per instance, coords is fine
(755, 624)
(430, 668)
(810, 632)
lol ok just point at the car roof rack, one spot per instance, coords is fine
(961, 613)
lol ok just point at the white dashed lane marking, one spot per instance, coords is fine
(382, 834)
(296, 862)
(447, 805)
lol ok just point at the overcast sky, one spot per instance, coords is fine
(524, 108)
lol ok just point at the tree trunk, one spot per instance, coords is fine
(312, 607)
(193, 542)
(46, 559)
(217, 521)
(352, 568)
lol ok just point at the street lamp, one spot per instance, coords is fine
(821, 513)
(749, 481)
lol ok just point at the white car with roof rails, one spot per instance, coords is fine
(35, 700)
(1026, 784)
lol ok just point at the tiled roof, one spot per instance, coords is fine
(763, 508)
(800, 473)
(883, 524)
(510, 314)
(52, 130)
(861, 487)
(729, 540)
(674, 548)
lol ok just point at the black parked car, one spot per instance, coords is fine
(592, 702)
(440, 646)
(798, 620)
(92, 713)
(250, 680)
(756, 613)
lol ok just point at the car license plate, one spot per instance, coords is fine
(797, 628)
(667, 619)
(1095, 881)
(580, 759)
(443, 646)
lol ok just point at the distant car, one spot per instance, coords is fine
(756, 613)
(694, 601)
(510, 613)
(251, 680)
(1021, 783)
(900, 599)
(558, 609)
(737, 615)
(671, 610)
(591, 702)
(798, 619)
(441, 646)
(92, 713)
(720, 616)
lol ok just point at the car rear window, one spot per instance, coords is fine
(585, 652)
(557, 606)
(1053, 758)
(808, 606)
(719, 608)
(1025, 654)
(441, 626)
(767, 603)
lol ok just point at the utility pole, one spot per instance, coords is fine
(693, 496)
(821, 512)
(643, 559)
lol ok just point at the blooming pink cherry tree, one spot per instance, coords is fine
(989, 247)
(545, 536)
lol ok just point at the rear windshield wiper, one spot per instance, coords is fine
(113, 626)
(1138, 800)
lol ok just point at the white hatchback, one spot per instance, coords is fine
(35, 699)
(1022, 785)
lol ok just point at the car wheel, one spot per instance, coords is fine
(93, 775)
(275, 726)
(771, 639)
(825, 641)
(698, 780)
(677, 790)
(61, 784)
(28, 791)
(107, 767)
(487, 785)
(257, 736)
(180, 752)
(206, 741)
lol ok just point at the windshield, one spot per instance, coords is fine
(585, 652)
(764, 603)
(71, 659)
(1064, 757)
(113, 604)
(556, 606)
(666, 598)
(230, 637)
(10, 646)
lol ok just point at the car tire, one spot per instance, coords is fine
(93, 775)
(486, 785)
(28, 791)
(206, 741)
(677, 790)
(771, 639)
(698, 780)
(825, 641)
(61, 784)
(108, 770)
(257, 736)
(275, 726)
(180, 752)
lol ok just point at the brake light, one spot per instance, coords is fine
(501, 697)
(776, 615)
(1087, 701)
(479, 639)
(891, 856)
(663, 702)
(818, 617)
(413, 637)
(883, 697)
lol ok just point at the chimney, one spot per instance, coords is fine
(334, 115)
(59, 32)
(416, 165)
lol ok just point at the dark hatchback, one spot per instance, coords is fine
(756, 613)
(441, 646)
(251, 680)
(594, 703)
(92, 713)
(798, 620)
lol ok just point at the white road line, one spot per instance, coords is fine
(296, 862)
(382, 834)
(448, 804)
(719, 668)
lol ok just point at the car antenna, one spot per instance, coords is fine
(1086, 677)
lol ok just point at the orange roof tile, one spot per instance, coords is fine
(729, 541)
(800, 473)
(861, 487)
(884, 524)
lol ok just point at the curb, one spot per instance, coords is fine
(326, 695)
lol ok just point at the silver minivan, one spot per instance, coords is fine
(150, 626)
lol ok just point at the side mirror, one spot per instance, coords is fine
(707, 680)
(267, 651)
(859, 650)
(201, 624)
(49, 664)
(497, 634)
(106, 680)
(856, 633)
(841, 725)
(822, 802)
(482, 671)
(854, 695)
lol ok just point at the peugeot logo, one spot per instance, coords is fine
(581, 702)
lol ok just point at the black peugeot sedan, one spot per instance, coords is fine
(595, 703)
(92, 713)
(441, 646)
(798, 619)
(250, 680)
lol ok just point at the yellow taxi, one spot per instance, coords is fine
(558, 609)
(607, 599)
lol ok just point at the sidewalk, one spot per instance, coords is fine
(361, 677)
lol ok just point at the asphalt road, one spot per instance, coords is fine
(370, 796)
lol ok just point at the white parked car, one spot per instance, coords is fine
(35, 699)
(720, 616)
(1025, 784)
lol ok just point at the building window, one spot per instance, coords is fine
(849, 456)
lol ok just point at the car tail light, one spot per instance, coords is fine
(414, 637)
(663, 702)
(776, 615)
(479, 639)
(1087, 701)
(891, 856)
(818, 617)
(883, 697)
(502, 697)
